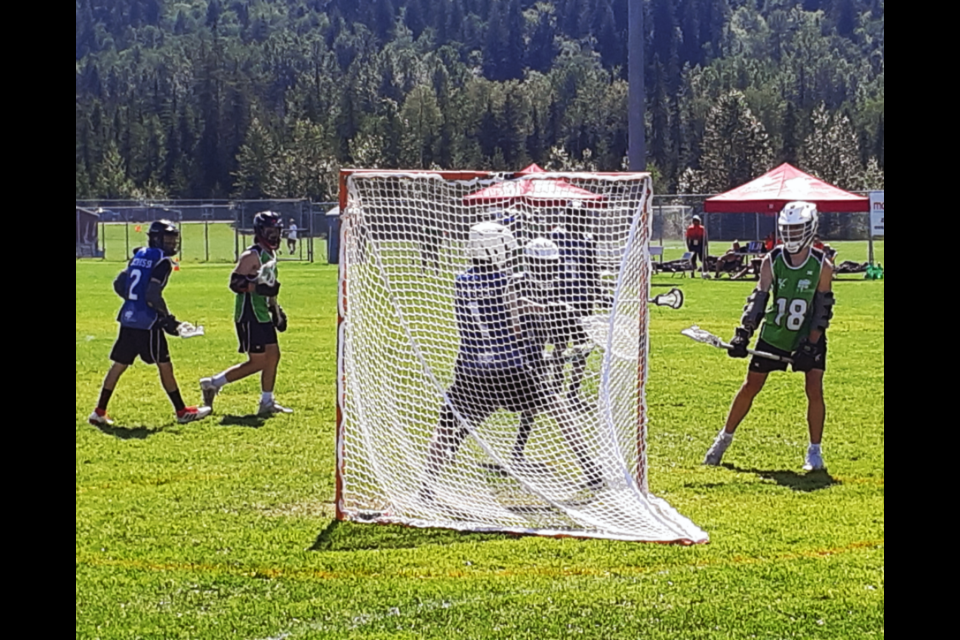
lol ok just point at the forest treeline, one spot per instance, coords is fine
(269, 98)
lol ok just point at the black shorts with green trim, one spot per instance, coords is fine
(255, 336)
(766, 365)
(149, 344)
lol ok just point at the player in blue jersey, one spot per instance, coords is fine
(494, 368)
(579, 290)
(143, 318)
(258, 316)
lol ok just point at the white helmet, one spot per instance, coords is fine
(542, 257)
(798, 225)
(490, 242)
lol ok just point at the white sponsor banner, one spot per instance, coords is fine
(876, 214)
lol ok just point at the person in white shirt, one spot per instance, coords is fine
(292, 237)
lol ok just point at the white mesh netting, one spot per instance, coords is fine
(491, 376)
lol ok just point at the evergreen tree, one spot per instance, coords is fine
(736, 147)
(830, 152)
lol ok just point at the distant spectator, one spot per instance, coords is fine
(696, 236)
(769, 242)
(292, 237)
(731, 260)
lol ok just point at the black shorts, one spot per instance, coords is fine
(477, 394)
(766, 365)
(149, 344)
(255, 336)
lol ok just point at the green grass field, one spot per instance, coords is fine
(224, 528)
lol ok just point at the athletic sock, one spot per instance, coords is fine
(219, 380)
(104, 399)
(723, 435)
(266, 397)
(814, 448)
(176, 400)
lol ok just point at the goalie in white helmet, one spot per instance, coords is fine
(494, 368)
(791, 307)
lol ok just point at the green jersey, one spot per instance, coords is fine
(787, 320)
(253, 304)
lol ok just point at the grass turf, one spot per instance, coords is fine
(224, 528)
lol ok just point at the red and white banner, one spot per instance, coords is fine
(876, 214)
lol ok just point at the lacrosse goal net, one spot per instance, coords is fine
(404, 239)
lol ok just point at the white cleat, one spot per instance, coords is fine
(814, 461)
(716, 450)
(192, 414)
(209, 391)
(98, 419)
(271, 408)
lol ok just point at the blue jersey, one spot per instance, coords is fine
(579, 270)
(487, 340)
(135, 314)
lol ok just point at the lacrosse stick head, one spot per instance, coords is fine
(268, 273)
(672, 299)
(625, 343)
(187, 330)
(702, 335)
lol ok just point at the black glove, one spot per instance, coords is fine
(279, 318)
(120, 284)
(807, 355)
(170, 324)
(267, 290)
(739, 344)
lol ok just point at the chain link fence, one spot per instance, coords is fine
(210, 230)
(219, 230)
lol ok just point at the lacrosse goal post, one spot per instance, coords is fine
(404, 237)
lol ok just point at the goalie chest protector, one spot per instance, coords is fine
(787, 319)
(135, 314)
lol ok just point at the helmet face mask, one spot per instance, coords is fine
(490, 243)
(797, 224)
(266, 229)
(165, 236)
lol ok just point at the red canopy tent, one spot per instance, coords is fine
(771, 191)
(540, 193)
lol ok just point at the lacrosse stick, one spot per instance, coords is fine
(704, 336)
(187, 330)
(672, 299)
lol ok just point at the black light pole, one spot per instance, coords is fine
(637, 153)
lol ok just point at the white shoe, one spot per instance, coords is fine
(192, 414)
(716, 450)
(209, 391)
(271, 408)
(100, 420)
(814, 460)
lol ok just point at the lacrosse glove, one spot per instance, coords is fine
(170, 324)
(739, 344)
(267, 290)
(279, 318)
(808, 355)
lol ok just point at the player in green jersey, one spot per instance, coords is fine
(792, 306)
(257, 314)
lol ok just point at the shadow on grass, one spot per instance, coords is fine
(807, 481)
(351, 536)
(253, 421)
(129, 433)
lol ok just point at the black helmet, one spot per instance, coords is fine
(266, 228)
(164, 235)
